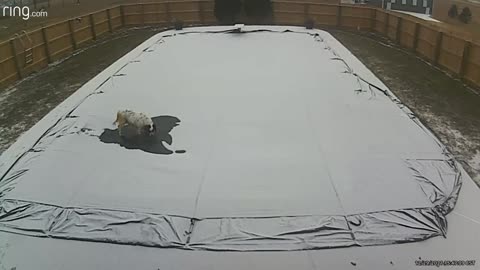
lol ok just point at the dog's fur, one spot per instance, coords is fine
(140, 121)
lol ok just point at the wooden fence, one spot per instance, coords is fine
(29, 52)
(33, 51)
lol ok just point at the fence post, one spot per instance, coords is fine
(415, 37)
(274, 20)
(398, 33)
(387, 19)
(465, 56)
(92, 26)
(72, 34)
(438, 47)
(306, 8)
(122, 15)
(15, 58)
(47, 45)
(109, 18)
(373, 24)
(200, 12)
(169, 16)
(339, 15)
(142, 6)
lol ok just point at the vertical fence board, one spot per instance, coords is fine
(122, 15)
(116, 17)
(82, 28)
(381, 18)
(92, 26)
(109, 18)
(465, 58)
(38, 51)
(393, 23)
(356, 18)
(58, 40)
(323, 14)
(451, 53)
(415, 36)
(132, 15)
(184, 11)
(15, 59)
(72, 34)
(472, 67)
(339, 15)
(201, 12)
(437, 47)
(398, 33)
(407, 34)
(47, 45)
(426, 42)
(208, 15)
(8, 69)
(288, 13)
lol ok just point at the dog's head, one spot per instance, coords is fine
(150, 129)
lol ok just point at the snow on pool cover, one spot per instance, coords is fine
(276, 138)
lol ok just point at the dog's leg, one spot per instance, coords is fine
(121, 122)
(121, 125)
(118, 118)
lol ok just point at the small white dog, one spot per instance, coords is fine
(140, 121)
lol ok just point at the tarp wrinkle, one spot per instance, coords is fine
(234, 234)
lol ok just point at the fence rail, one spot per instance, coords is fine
(32, 51)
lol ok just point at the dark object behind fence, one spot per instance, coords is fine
(465, 16)
(226, 11)
(258, 8)
(453, 12)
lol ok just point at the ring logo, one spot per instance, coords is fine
(24, 12)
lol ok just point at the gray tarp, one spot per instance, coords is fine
(267, 140)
